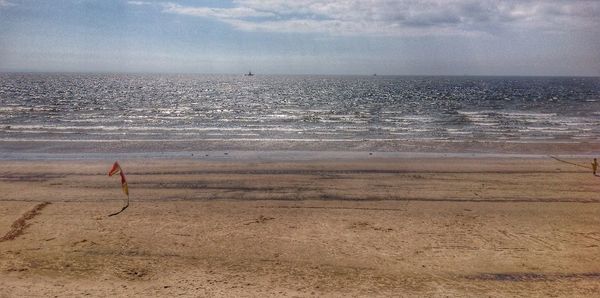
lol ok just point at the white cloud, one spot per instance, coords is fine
(399, 17)
(139, 3)
(220, 13)
(5, 3)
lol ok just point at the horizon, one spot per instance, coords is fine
(295, 74)
(553, 38)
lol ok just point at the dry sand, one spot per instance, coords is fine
(375, 227)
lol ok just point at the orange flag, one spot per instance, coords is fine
(116, 169)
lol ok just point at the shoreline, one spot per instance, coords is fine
(272, 156)
(284, 150)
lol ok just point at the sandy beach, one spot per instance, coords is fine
(372, 226)
(321, 148)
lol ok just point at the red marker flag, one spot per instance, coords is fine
(116, 169)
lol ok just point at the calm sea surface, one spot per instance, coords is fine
(98, 107)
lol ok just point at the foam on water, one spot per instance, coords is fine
(109, 107)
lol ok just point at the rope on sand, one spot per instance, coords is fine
(571, 163)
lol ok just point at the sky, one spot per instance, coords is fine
(388, 37)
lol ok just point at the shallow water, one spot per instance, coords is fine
(109, 107)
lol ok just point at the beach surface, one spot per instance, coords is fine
(361, 226)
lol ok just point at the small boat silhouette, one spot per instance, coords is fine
(249, 74)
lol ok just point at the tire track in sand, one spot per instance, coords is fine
(18, 226)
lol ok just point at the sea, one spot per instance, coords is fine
(84, 107)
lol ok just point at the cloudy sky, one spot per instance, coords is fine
(404, 37)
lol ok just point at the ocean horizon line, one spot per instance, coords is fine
(242, 73)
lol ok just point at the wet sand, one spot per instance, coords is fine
(371, 227)
(82, 149)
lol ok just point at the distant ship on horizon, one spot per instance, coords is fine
(249, 74)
